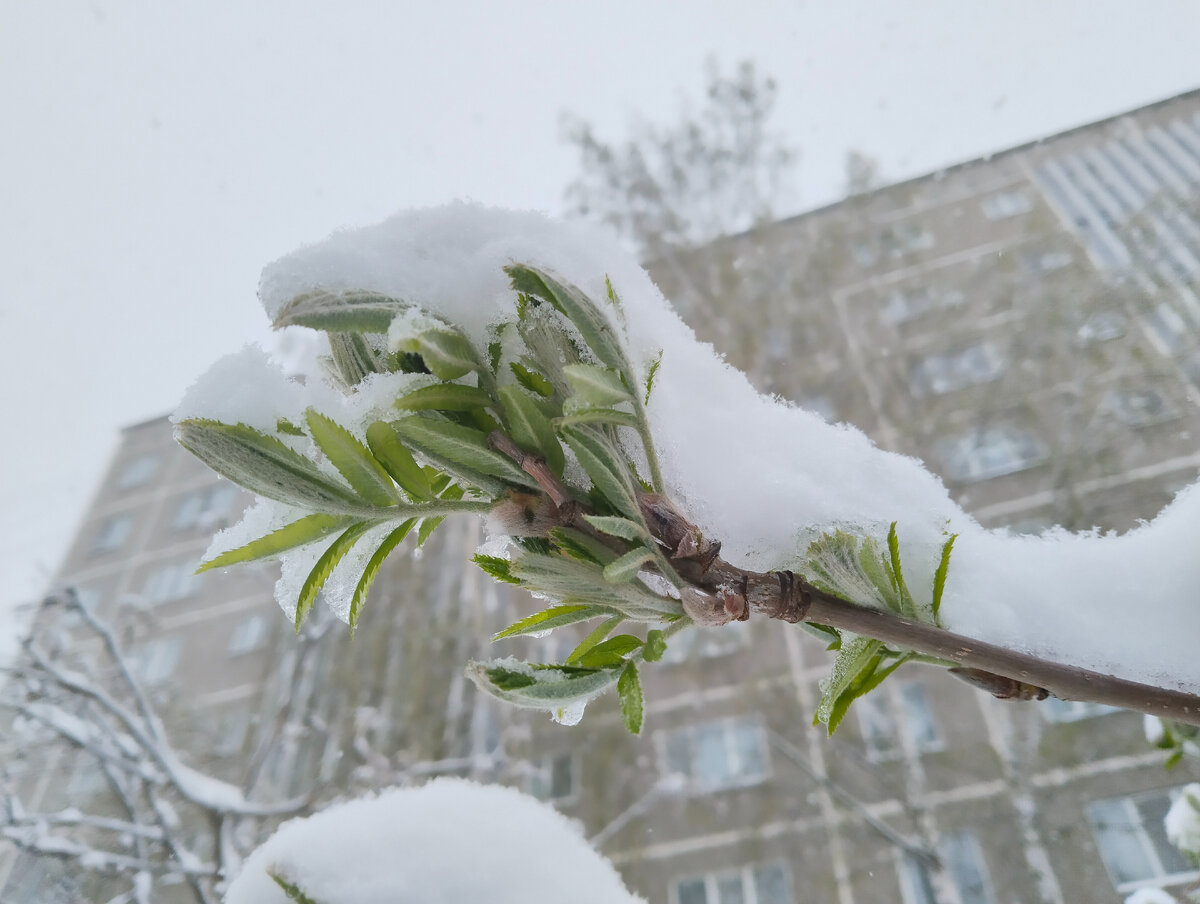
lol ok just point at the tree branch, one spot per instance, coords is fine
(1067, 682)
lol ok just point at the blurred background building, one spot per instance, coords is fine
(1028, 324)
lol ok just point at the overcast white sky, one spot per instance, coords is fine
(154, 156)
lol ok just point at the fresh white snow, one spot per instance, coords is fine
(450, 841)
(761, 475)
(1182, 821)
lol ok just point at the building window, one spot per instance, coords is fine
(882, 730)
(893, 243)
(249, 634)
(1138, 407)
(719, 754)
(903, 305)
(112, 534)
(945, 372)
(769, 883)
(708, 643)
(987, 452)
(963, 860)
(1133, 842)
(154, 662)
(138, 472)
(1055, 710)
(1038, 262)
(554, 778)
(1006, 204)
(173, 581)
(204, 508)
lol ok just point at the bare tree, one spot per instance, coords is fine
(159, 819)
(719, 169)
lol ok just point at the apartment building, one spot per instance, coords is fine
(1028, 324)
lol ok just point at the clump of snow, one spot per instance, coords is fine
(765, 477)
(448, 842)
(1183, 821)
(247, 387)
(1153, 729)
(1150, 896)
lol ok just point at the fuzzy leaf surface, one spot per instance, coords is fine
(325, 564)
(463, 451)
(349, 312)
(445, 397)
(633, 704)
(390, 542)
(264, 465)
(530, 428)
(597, 386)
(389, 450)
(548, 619)
(299, 533)
(352, 459)
(606, 467)
(595, 328)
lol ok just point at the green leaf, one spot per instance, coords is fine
(867, 680)
(497, 567)
(389, 451)
(595, 328)
(299, 533)
(619, 527)
(878, 572)
(656, 645)
(651, 373)
(610, 653)
(290, 889)
(530, 428)
(578, 545)
(606, 467)
(907, 607)
(264, 465)
(596, 635)
(352, 459)
(390, 542)
(939, 579)
(633, 707)
(283, 425)
(463, 451)
(549, 619)
(553, 689)
(855, 656)
(354, 311)
(626, 568)
(532, 380)
(353, 358)
(598, 416)
(597, 386)
(445, 397)
(446, 352)
(325, 564)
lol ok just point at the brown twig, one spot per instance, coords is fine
(717, 592)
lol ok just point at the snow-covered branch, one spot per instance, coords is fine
(96, 706)
(531, 370)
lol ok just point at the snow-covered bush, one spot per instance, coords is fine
(505, 365)
(448, 842)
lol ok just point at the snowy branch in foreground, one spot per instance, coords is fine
(448, 842)
(98, 706)
(485, 362)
